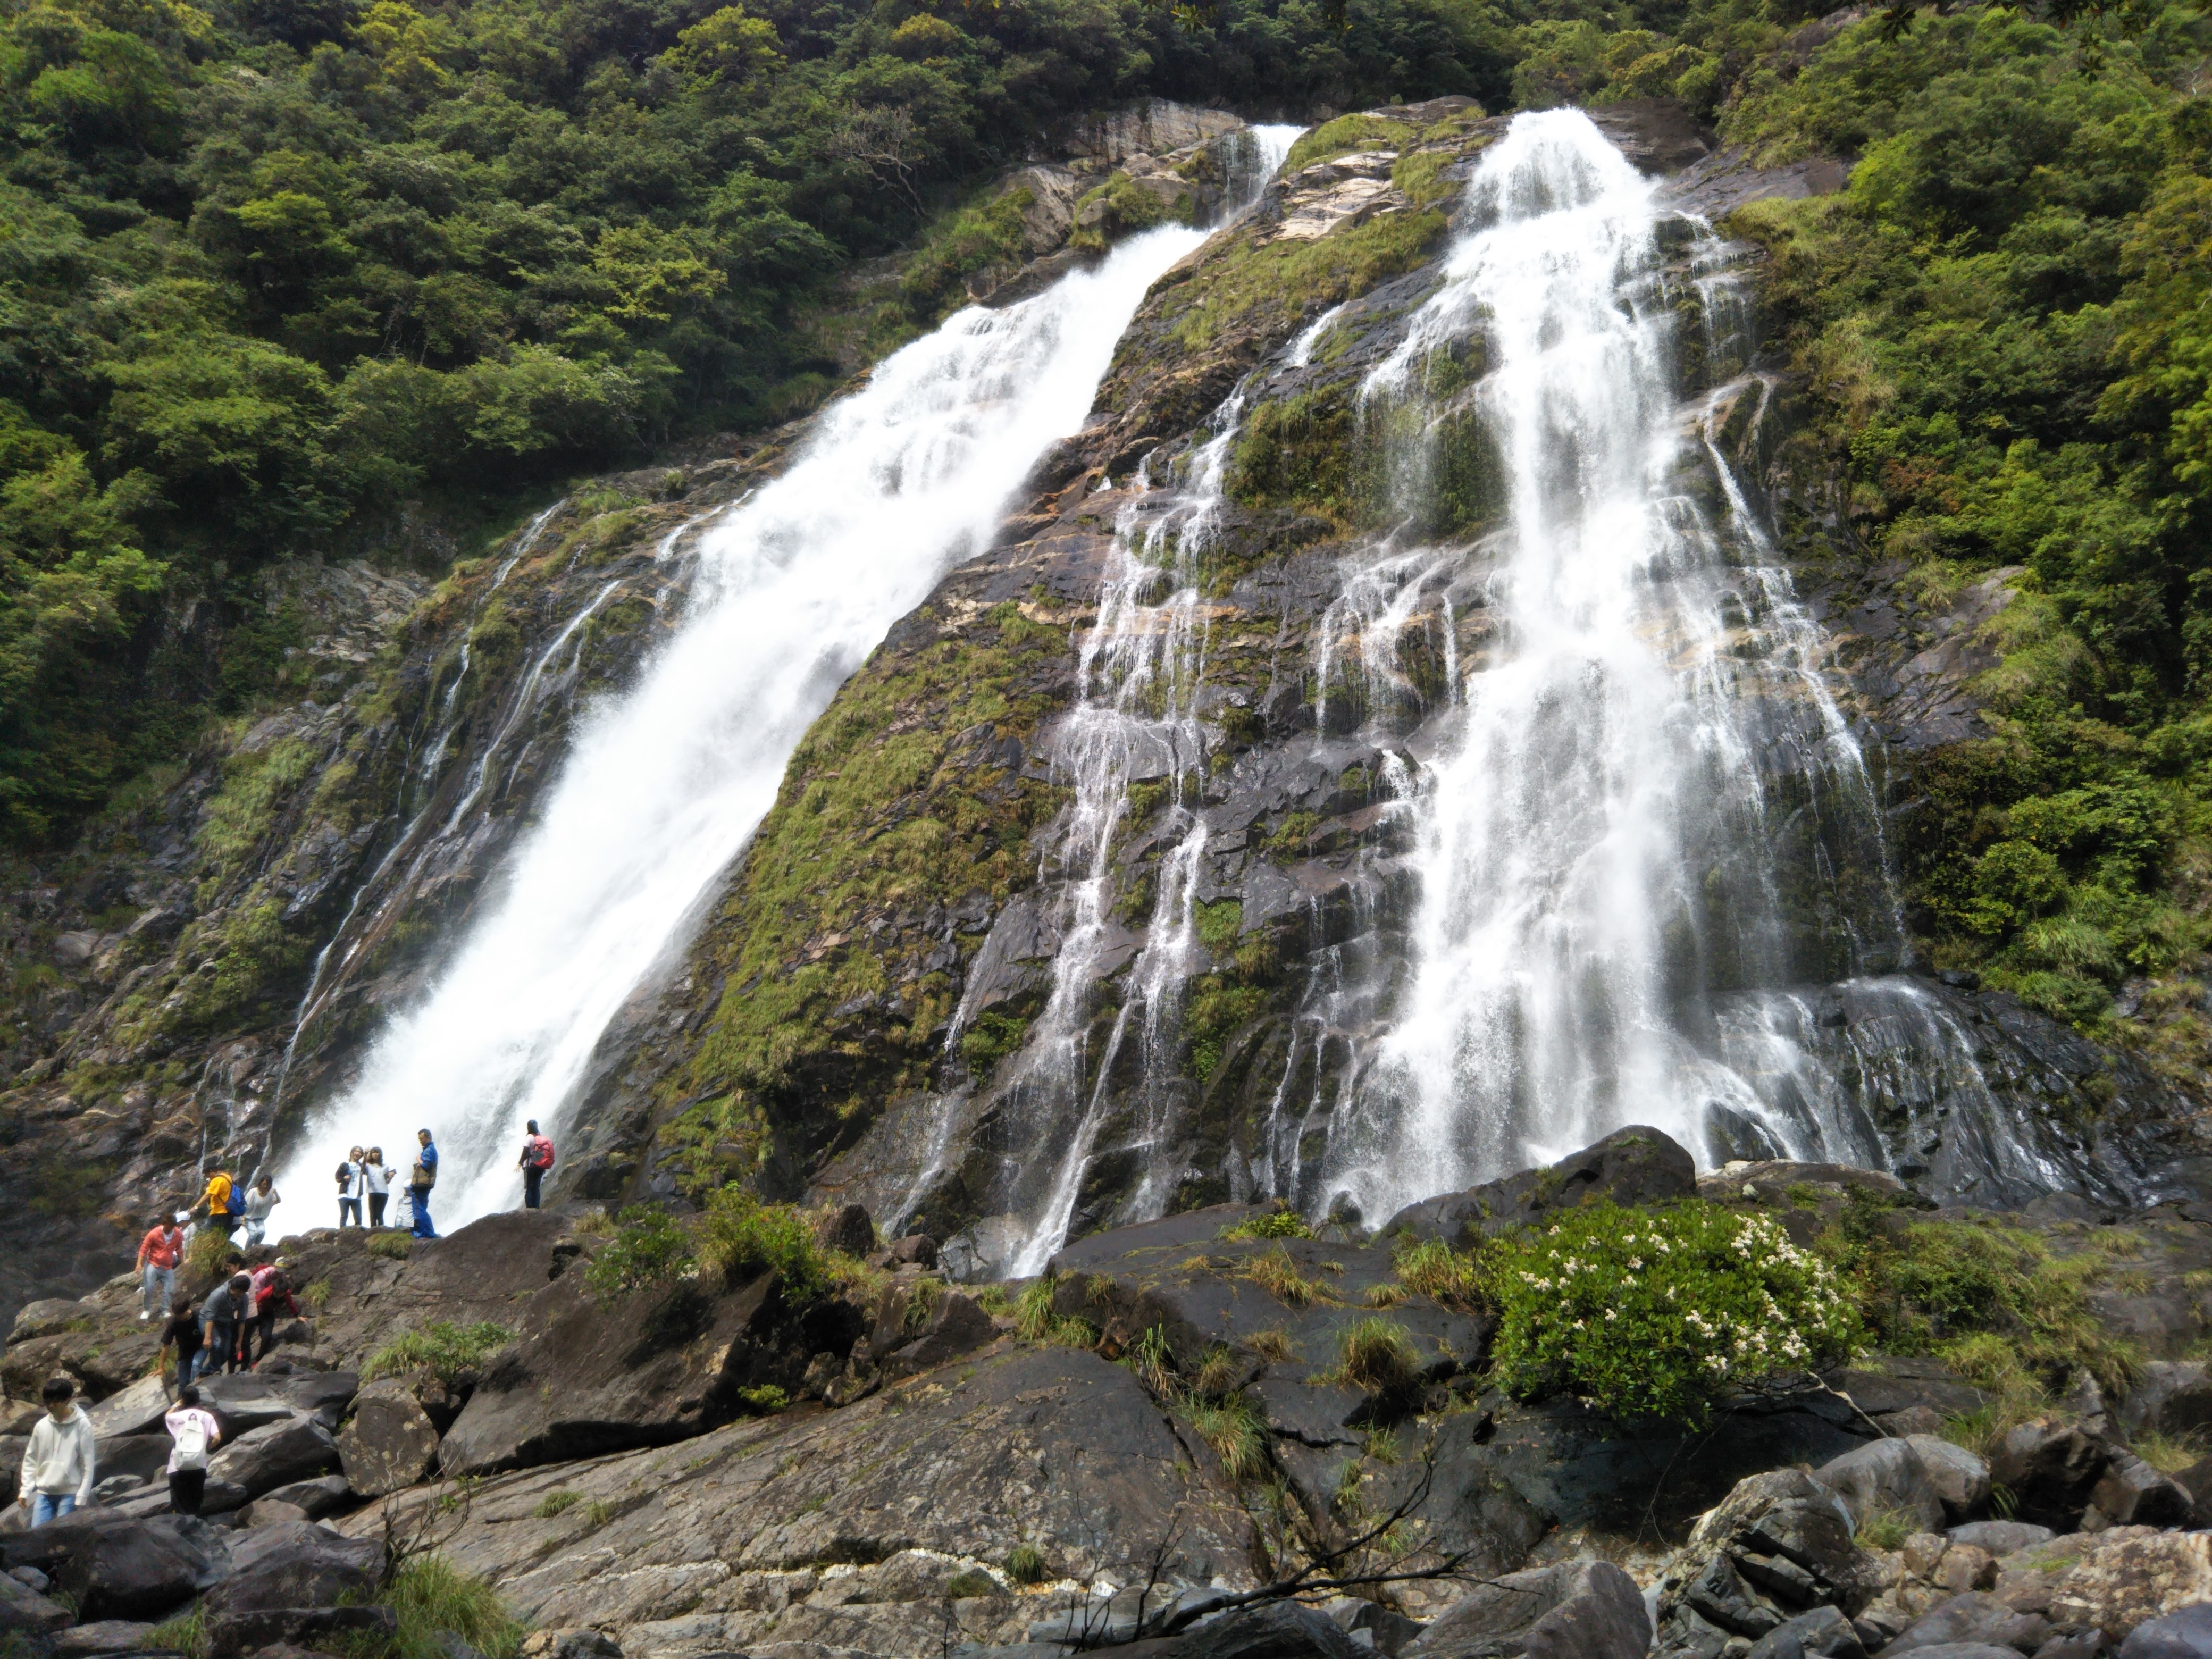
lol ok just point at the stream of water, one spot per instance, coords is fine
(665, 782)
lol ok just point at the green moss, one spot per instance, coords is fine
(1302, 452)
(884, 812)
(1271, 285)
(1121, 207)
(1342, 137)
(239, 816)
(1218, 924)
(990, 1038)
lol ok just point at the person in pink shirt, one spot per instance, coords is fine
(159, 1253)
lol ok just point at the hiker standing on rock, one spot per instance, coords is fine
(182, 1333)
(225, 1203)
(220, 1316)
(420, 1180)
(262, 1199)
(159, 1253)
(378, 1180)
(349, 1188)
(272, 1295)
(537, 1159)
(57, 1464)
(194, 1433)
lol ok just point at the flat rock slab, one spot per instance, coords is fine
(826, 1515)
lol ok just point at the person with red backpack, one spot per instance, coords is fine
(537, 1159)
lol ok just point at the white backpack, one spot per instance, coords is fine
(191, 1435)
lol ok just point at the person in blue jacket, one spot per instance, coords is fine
(424, 1177)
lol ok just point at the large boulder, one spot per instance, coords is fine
(1778, 1546)
(1928, 1478)
(2126, 1581)
(2052, 1469)
(276, 1454)
(316, 1499)
(2169, 1396)
(137, 1409)
(2184, 1634)
(22, 1608)
(307, 1630)
(117, 1566)
(585, 1376)
(1570, 1610)
(390, 1443)
(1635, 1165)
(1973, 1617)
(2134, 1494)
(287, 1581)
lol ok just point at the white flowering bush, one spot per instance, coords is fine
(1663, 1312)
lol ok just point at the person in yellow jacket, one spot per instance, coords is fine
(222, 1211)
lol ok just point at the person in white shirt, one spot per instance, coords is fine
(262, 1199)
(350, 1188)
(377, 1179)
(193, 1434)
(57, 1464)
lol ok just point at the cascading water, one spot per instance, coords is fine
(1597, 833)
(665, 783)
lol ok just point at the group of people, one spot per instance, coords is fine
(60, 1464)
(237, 1317)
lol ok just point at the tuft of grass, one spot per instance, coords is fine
(444, 1349)
(765, 1400)
(557, 1502)
(317, 1296)
(1236, 1430)
(1432, 1268)
(649, 1251)
(1217, 1375)
(2170, 1454)
(2122, 1244)
(1281, 1222)
(993, 1299)
(204, 1255)
(740, 1238)
(390, 1245)
(187, 1633)
(1036, 1320)
(1887, 1529)
(599, 1512)
(433, 1596)
(1277, 1275)
(598, 1223)
(962, 1585)
(1382, 1445)
(1026, 1565)
(1273, 1343)
(1386, 1295)
(1377, 1356)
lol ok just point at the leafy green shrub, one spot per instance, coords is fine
(1990, 1301)
(1281, 1222)
(1026, 1565)
(740, 1238)
(765, 1399)
(1662, 1313)
(990, 1039)
(444, 1349)
(649, 1251)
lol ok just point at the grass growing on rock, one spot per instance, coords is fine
(1432, 1268)
(740, 1236)
(1377, 1356)
(444, 1349)
(391, 1246)
(649, 1251)
(433, 1596)
(1277, 1275)
(1282, 1222)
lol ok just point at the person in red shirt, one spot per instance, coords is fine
(271, 1294)
(159, 1253)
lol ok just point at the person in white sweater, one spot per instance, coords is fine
(57, 1464)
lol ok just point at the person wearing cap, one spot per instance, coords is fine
(420, 1180)
(57, 1464)
(159, 1252)
(262, 1199)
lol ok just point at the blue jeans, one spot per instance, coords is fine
(160, 1286)
(222, 1351)
(46, 1506)
(422, 1201)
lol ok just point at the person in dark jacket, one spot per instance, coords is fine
(221, 1314)
(182, 1333)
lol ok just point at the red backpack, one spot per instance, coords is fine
(541, 1153)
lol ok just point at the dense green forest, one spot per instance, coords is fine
(269, 268)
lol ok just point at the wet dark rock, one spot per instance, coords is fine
(1572, 1610)
(2001, 1537)
(1973, 1617)
(584, 1376)
(2184, 1634)
(319, 1498)
(1779, 1546)
(231, 1635)
(104, 1636)
(24, 1608)
(1824, 1632)
(2053, 1469)
(848, 1228)
(2169, 1396)
(115, 1566)
(2134, 1494)
(1635, 1165)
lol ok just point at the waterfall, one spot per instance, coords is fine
(665, 782)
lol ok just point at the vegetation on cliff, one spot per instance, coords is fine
(269, 268)
(2003, 326)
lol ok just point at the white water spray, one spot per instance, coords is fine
(665, 782)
